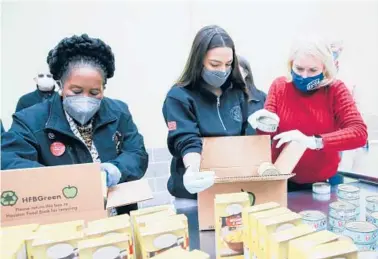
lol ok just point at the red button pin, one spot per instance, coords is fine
(57, 148)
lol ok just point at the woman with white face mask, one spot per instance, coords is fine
(209, 100)
(314, 109)
(45, 91)
(80, 125)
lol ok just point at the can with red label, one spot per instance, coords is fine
(363, 233)
(314, 218)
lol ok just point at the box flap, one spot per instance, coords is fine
(237, 151)
(128, 193)
(289, 157)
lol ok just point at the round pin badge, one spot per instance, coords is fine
(57, 148)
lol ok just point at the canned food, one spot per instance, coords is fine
(338, 223)
(267, 168)
(335, 230)
(361, 232)
(321, 188)
(342, 210)
(321, 197)
(314, 218)
(367, 255)
(348, 192)
(366, 247)
(372, 218)
(372, 203)
(267, 124)
(355, 203)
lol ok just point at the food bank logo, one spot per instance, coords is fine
(10, 198)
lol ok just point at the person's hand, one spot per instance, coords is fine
(113, 175)
(295, 135)
(253, 118)
(196, 182)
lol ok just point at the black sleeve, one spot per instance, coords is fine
(244, 107)
(183, 132)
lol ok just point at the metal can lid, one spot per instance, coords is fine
(348, 188)
(360, 226)
(340, 205)
(312, 215)
(267, 121)
(372, 198)
(267, 168)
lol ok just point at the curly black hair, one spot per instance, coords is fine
(81, 49)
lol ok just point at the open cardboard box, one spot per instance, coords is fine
(63, 193)
(235, 161)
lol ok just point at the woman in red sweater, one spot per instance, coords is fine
(314, 109)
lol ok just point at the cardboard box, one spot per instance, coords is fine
(60, 243)
(235, 161)
(279, 242)
(110, 246)
(247, 240)
(13, 248)
(229, 224)
(157, 238)
(63, 193)
(179, 253)
(268, 226)
(140, 218)
(254, 218)
(339, 249)
(298, 248)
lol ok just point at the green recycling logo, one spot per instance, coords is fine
(70, 192)
(8, 198)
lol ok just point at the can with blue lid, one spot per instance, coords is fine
(372, 218)
(348, 192)
(362, 232)
(372, 203)
(314, 218)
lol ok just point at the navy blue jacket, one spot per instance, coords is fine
(28, 141)
(191, 114)
(1, 127)
(34, 97)
(255, 103)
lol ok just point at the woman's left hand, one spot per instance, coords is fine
(295, 135)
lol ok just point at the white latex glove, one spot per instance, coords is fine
(196, 182)
(113, 175)
(295, 135)
(252, 119)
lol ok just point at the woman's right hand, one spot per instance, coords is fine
(256, 116)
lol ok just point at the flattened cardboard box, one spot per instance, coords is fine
(62, 193)
(235, 161)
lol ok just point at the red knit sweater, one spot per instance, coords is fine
(329, 112)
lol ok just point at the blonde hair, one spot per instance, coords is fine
(317, 47)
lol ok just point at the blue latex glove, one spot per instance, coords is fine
(113, 175)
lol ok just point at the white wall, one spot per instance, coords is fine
(151, 41)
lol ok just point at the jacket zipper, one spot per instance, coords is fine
(220, 118)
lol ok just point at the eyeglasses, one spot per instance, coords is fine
(43, 75)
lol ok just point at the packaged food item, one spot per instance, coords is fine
(298, 248)
(279, 242)
(268, 226)
(321, 188)
(361, 232)
(342, 210)
(144, 212)
(254, 218)
(372, 203)
(267, 168)
(267, 124)
(348, 192)
(247, 239)
(157, 238)
(60, 243)
(314, 218)
(372, 218)
(229, 224)
(115, 246)
(332, 250)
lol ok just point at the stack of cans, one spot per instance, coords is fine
(371, 206)
(350, 194)
(314, 218)
(340, 213)
(363, 234)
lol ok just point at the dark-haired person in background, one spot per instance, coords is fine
(209, 100)
(80, 125)
(256, 97)
(45, 91)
